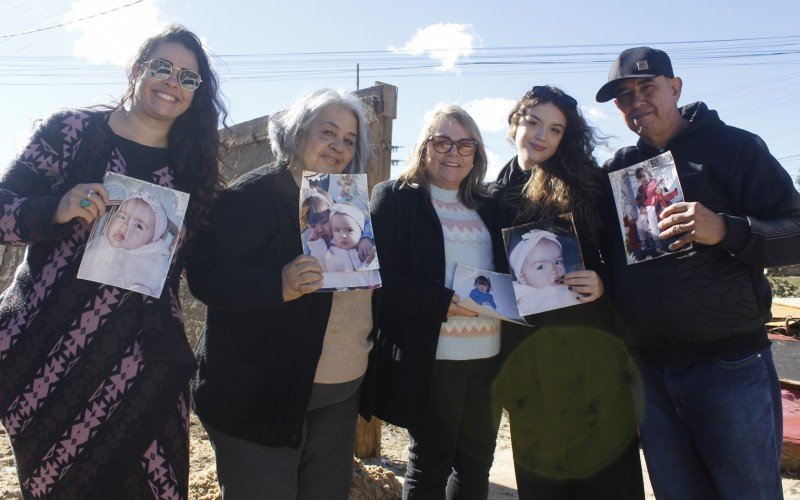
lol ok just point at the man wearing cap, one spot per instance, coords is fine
(711, 423)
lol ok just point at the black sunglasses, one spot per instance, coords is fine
(545, 93)
(162, 70)
(443, 144)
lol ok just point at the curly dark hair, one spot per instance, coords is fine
(570, 180)
(193, 141)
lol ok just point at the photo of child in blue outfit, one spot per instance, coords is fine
(480, 294)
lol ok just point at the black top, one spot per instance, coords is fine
(258, 354)
(141, 160)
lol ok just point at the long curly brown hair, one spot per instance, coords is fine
(193, 141)
(570, 180)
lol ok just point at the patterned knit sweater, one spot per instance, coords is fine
(78, 389)
(466, 240)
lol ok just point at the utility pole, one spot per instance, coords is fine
(357, 78)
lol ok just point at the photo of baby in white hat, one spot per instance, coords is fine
(131, 246)
(539, 255)
(335, 229)
(347, 226)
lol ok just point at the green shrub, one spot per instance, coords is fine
(782, 287)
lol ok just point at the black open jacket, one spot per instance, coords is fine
(257, 354)
(414, 304)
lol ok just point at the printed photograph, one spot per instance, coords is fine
(641, 192)
(539, 255)
(486, 292)
(131, 246)
(336, 230)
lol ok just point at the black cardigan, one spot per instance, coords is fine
(258, 354)
(410, 244)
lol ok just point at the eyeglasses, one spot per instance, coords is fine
(162, 70)
(546, 93)
(443, 144)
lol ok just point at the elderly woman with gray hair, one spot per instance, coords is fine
(281, 368)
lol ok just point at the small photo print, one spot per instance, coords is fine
(131, 246)
(336, 229)
(539, 255)
(641, 192)
(486, 292)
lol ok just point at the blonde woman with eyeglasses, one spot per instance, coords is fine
(94, 379)
(436, 359)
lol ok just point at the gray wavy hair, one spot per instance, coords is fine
(285, 126)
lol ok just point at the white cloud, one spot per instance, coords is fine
(490, 113)
(443, 42)
(114, 37)
(495, 164)
(428, 116)
(594, 113)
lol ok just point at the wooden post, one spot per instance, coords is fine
(383, 100)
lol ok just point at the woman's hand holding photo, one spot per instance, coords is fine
(457, 310)
(301, 276)
(84, 201)
(586, 284)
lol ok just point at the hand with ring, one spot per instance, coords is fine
(84, 201)
(301, 276)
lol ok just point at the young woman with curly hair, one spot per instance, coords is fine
(564, 381)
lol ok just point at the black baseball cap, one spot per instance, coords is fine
(638, 62)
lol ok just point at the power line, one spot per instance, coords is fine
(37, 30)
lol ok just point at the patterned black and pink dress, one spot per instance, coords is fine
(93, 379)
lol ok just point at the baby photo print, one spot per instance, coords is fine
(486, 292)
(335, 229)
(641, 192)
(539, 255)
(131, 246)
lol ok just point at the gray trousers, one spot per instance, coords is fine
(322, 467)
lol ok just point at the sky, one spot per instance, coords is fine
(741, 57)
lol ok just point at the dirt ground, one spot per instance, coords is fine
(374, 479)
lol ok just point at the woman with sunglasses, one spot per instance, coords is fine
(436, 359)
(566, 381)
(94, 379)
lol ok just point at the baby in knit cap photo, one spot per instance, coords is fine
(131, 246)
(347, 226)
(539, 255)
(337, 231)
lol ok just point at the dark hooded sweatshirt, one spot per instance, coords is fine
(713, 300)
